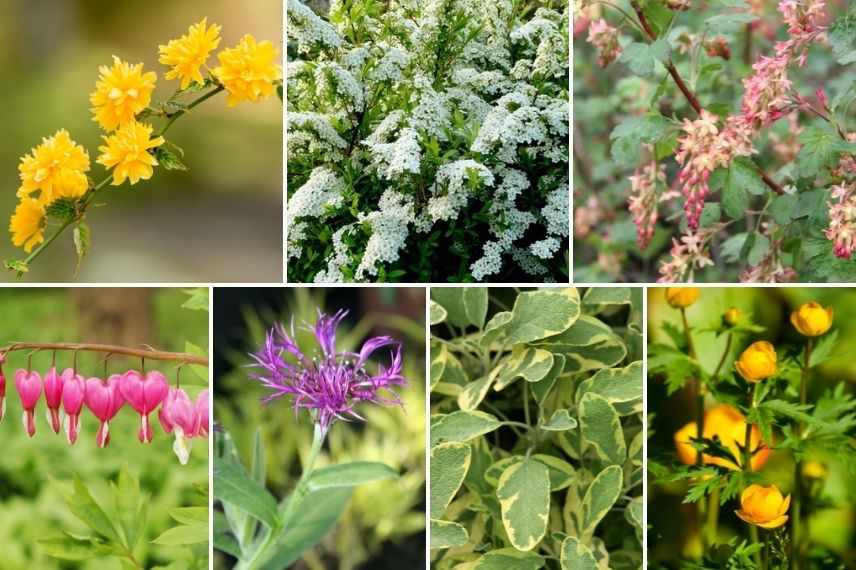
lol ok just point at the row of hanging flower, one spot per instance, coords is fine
(66, 393)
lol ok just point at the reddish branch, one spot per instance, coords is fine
(144, 353)
(691, 98)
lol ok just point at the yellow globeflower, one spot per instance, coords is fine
(811, 319)
(729, 425)
(56, 168)
(188, 54)
(127, 152)
(681, 297)
(28, 224)
(248, 70)
(757, 362)
(732, 316)
(764, 506)
(121, 93)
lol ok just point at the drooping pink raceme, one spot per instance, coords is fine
(329, 384)
(73, 396)
(182, 417)
(29, 386)
(842, 220)
(104, 400)
(605, 38)
(53, 384)
(643, 200)
(144, 394)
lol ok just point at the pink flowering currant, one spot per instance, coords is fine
(104, 400)
(73, 396)
(29, 385)
(842, 220)
(144, 394)
(643, 200)
(605, 38)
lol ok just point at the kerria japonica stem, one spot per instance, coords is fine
(109, 349)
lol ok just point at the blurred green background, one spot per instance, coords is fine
(222, 220)
(672, 533)
(35, 473)
(383, 525)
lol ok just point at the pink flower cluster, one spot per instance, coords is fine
(689, 253)
(842, 219)
(770, 269)
(605, 38)
(643, 200)
(67, 392)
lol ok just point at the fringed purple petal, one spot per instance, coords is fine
(325, 331)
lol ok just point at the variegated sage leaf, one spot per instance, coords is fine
(449, 465)
(596, 356)
(542, 313)
(561, 472)
(585, 331)
(451, 374)
(599, 498)
(495, 328)
(622, 387)
(481, 459)
(598, 298)
(577, 556)
(465, 305)
(446, 534)
(601, 428)
(561, 420)
(531, 364)
(523, 491)
(474, 392)
(542, 388)
(461, 426)
(505, 559)
(633, 514)
(437, 313)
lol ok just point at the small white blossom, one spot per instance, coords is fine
(308, 29)
(389, 232)
(398, 157)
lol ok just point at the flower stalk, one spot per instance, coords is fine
(110, 349)
(797, 529)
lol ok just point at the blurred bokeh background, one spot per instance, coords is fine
(672, 534)
(383, 526)
(35, 473)
(219, 222)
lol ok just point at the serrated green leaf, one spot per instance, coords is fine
(184, 534)
(68, 548)
(523, 491)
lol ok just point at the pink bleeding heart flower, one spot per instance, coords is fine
(73, 396)
(202, 418)
(178, 415)
(144, 394)
(2, 388)
(54, 382)
(29, 385)
(104, 400)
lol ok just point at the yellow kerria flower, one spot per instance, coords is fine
(188, 54)
(811, 319)
(681, 297)
(757, 362)
(56, 168)
(121, 93)
(764, 506)
(248, 70)
(127, 152)
(28, 224)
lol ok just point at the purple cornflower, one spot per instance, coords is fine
(329, 384)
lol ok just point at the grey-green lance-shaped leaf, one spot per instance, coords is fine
(449, 465)
(542, 388)
(577, 556)
(232, 485)
(436, 313)
(599, 498)
(445, 534)
(633, 514)
(561, 473)
(622, 387)
(601, 428)
(596, 356)
(474, 392)
(350, 475)
(587, 330)
(542, 313)
(317, 513)
(464, 305)
(461, 426)
(506, 559)
(561, 420)
(523, 491)
(531, 364)
(598, 298)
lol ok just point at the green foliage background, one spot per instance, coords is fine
(35, 473)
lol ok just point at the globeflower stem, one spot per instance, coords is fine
(796, 515)
(747, 468)
(699, 413)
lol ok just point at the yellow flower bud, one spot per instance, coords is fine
(811, 319)
(764, 506)
(681, 297)
(732, 316)
(814, 470)
(729, 425)
(757, 362)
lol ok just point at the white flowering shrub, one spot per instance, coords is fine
(428, 141)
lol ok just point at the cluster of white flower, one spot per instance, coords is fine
(321, 191)
(459, 107)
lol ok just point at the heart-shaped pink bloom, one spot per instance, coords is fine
(73, 396)
(144, 394)
(2, 396)
(54, 383)
(179, 415)
(202, 417)
(104, 400)
(29, 385)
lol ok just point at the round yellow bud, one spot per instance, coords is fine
(757, 362)
(814, 470)
(732, 316)
(811, 319)
(764, 506)
(681, 297)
